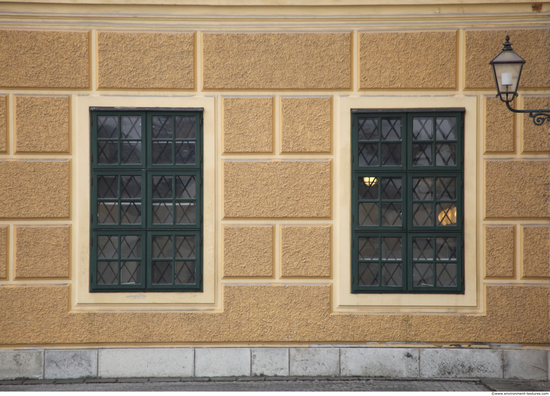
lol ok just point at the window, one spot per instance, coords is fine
(407, 205)
(146, 200)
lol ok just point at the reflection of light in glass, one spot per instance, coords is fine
(447, 216)
(370, 181)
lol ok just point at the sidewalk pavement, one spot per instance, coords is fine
(258, 384)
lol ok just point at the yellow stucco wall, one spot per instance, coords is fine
(277, 84)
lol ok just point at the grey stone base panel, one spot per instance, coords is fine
(220, 362)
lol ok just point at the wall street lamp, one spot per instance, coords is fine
(507, 72)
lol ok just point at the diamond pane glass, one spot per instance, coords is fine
(130, 186)
(368, 274)
(185, 247)
(107, 212)
(368, 188)
(423, 214)
(130, 212)
(161, 272)
(107, 127)
(445, 274)
(391, 249)
(368, 214)
(131, 127)
(445, 188)
(185, 272)
(445, 128)
(130, 246)
(107, 152)
(185, 127)
(185, 213)
(163, 213)
(446, 214)
(422, 188)
(391, 188)
(107, 186)
(392, 274)
(422, 154)
(162, 187)
(130, 152)
(185, 187)
(391, 128)
(423, 274)
(368, 154)
(130, 272)
(391, 154)
(445, 154)
(162, 152)
(107, 247)
(162, 127)
(162, 246)
(107, 273)
(185, 153)
(368, 129)
(423, 248)
(422, 128)
(368, 248)
(391, 214)
(446, 248)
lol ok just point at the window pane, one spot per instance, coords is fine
(185, 153)
(391, 248)
(422, 128)
(107, 152)
(107, 247)
(130, 186)
(163, 213)
(423, 248)
(162, 152)
(368, 274)
(185, 187)
(107, 127)
(107, 213)
(423, 274)
(422, 154)
(185, 272)
(185, 246)
(423, 214)
(368, 188)
(445, 154)
(130, 246)
(391, 128)
(368, 214)
(107, 272)
(391, 214)
(162, 127)
(130, 152)
(107, 186)
(391, 154)
(446, 214)
(130, 212)
(185, 127)
(368, 248)
(185, 213)
(422, 188)
(392, 274)
(130, 273)
(131, 127)
(162, 246)
(391, 188)
(162, 186)
(162, 273)
(368, 129)
(445, 188)
(445, 128)
(445, 274)
(368, 154)
(446, 248)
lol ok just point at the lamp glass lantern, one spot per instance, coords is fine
(507, 71)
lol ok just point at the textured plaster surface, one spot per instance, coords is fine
(146, 60)
(42, 252)
(517, 188)
(283, 189)
(36, 59)
(248, 125)
(499, 251)
(267, 313)
(277, 61)
(247, 251)
(536, 137)
(3, 252)
(306, 125)
(305, 251)
(424, 60)
(483, 45)
(3, 123)
(499, 126)
(34, 189)
(42, 124)
(536, 252)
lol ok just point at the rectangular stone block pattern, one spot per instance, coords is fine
(21, 363)
(306, 125)
(484, 45)
(277, 61)
(4, 252)
(42, 124)
(528, 364)
(466, 363)
(42, 252)
(536, 138)
(499, 251)
(3, 123)
(306, 251)
(536, 252)
(315, 361)
(146, 60)
(41, 59)
(270, 362)
(247, 251)
(517, 189)
(145, 362)
(499, 126)
(73, 363)
(282, 189)
(248, 125)
(34, 189)
(222, 362)
(380, 362)
(398, 61)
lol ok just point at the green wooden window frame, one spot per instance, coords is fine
(146, 200)
(407, 201)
